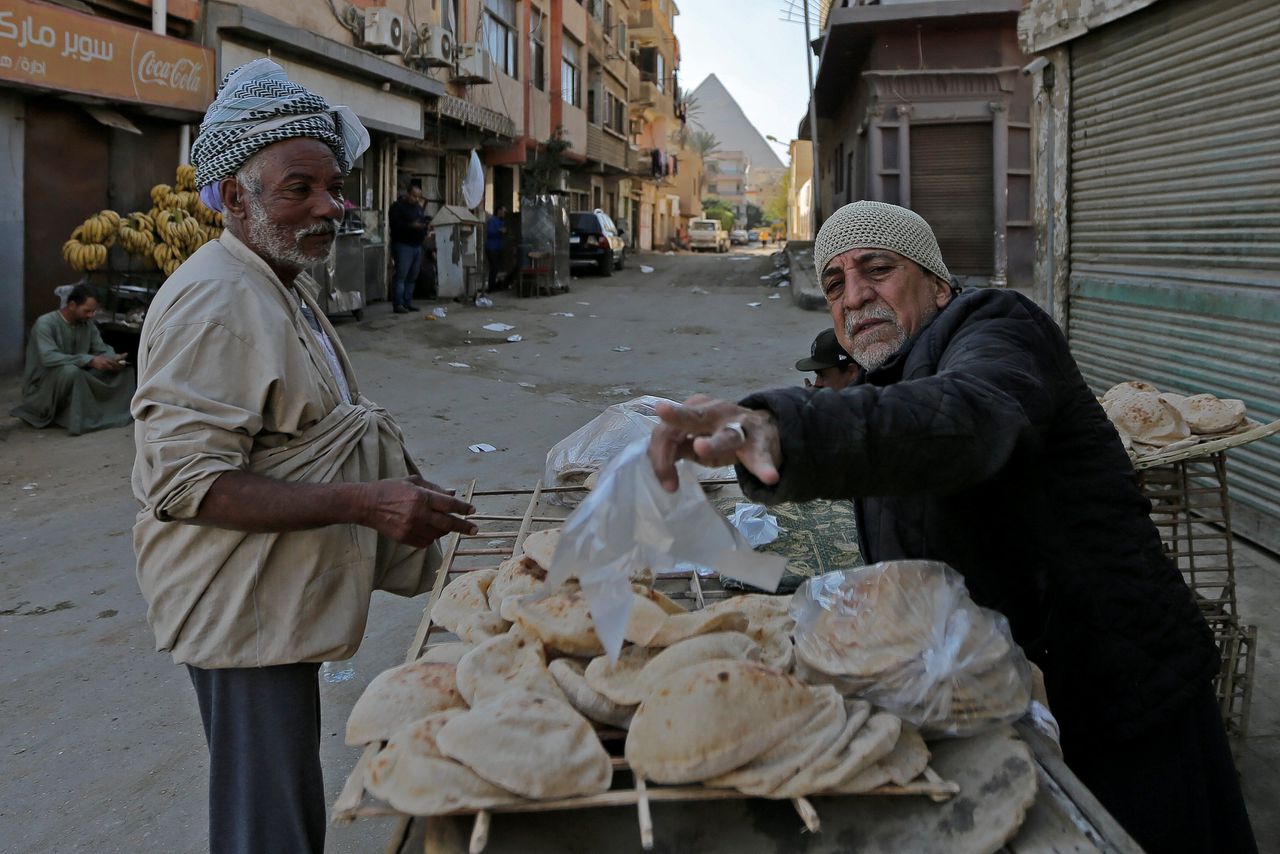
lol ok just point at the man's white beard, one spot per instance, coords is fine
(277, 243)
(873, 354)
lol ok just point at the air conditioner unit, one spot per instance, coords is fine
(383, 31)
(475, 65)
(434, 47)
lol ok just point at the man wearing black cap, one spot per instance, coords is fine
(829, 361)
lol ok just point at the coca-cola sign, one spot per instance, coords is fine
(181, 74)
(61, 50)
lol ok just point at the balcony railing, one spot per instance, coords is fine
(606, 148)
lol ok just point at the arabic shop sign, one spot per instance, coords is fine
(56, 48)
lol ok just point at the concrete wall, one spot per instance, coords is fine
(12, 142)
(1051, 153)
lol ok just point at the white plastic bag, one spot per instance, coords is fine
(629, 523)
(906, 636)
(473, 183)
(586, 450)
(756, 523)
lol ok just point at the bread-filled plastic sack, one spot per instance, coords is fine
(586, 450)
(630, 523)
(905, 636)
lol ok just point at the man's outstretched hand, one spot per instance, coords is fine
(414, 511)
(706, 431)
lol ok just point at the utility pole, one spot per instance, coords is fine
(813, 127)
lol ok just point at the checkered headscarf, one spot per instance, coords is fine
(258, 105)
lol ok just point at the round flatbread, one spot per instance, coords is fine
(412, 775)
(399, 696)
(1206, 414)
(708, 719)
(529, 745)
(570, 675)
(562, 621)
(462, 598)
(517, 576)
(1147, 419)
(446, 653)
(503, 664)
(540, 546)
(797, 750)
(1126, 388)
(619, 680)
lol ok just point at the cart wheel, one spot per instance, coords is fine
(358, 313)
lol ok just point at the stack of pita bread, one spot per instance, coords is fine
(906, 636)
(1148, 419)
(516, 709)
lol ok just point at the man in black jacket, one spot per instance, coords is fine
(970, 437)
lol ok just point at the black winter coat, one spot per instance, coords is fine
(979, 444)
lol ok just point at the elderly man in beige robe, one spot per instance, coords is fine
(275, 496)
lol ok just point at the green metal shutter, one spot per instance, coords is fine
(1175, 216)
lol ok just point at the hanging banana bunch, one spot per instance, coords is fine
(188, 201)
(159, 193)
(99, 228)
(84, 256)
(185, 178)
(136, 235)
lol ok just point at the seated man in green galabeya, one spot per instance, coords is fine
(73, 378)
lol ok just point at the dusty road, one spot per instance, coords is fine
(100, 737)
(100, 740)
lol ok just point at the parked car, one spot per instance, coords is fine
(594, 240)
(708, 234)
(753, 236)
(738, 237)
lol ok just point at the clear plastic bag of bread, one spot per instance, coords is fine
(906, 636)
(586, 450)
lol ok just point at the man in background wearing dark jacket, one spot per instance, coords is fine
(408, 228)
(970, 437)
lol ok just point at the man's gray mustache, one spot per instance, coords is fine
(329, 228)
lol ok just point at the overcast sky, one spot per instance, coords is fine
(759, 59)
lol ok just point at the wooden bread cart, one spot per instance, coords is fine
(1063, 816)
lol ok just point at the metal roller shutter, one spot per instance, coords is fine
(951, 180)
(1175, 216)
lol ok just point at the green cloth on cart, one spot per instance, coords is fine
(817, 537)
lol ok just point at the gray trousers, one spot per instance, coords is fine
(266, 791)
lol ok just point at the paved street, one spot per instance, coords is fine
(99, 734)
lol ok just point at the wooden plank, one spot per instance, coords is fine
(442, 577)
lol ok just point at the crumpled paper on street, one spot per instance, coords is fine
(629, 523)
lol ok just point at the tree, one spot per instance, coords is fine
(713, 208)
(775, 207)
(705, 145)
(755, 216)
(542, 174)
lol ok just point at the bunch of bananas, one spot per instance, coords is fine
(168, 257)
(160, 194)
(99, 228)
(84, 256)
(180, 229)
(137, 235)
(177, 225)
(185, 178)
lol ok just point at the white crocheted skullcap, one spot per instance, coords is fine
(876, 225)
